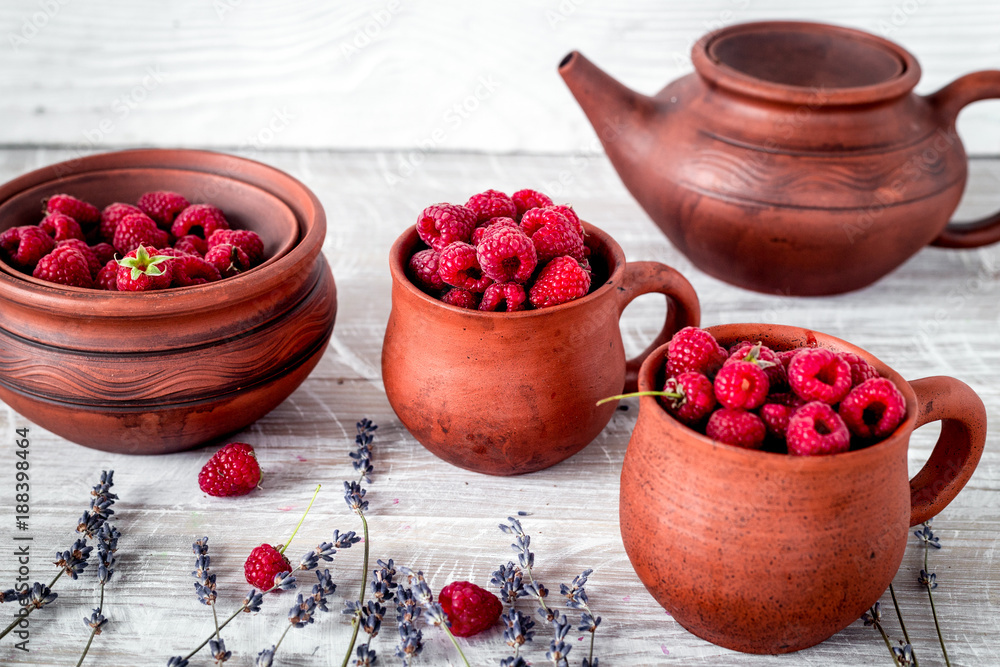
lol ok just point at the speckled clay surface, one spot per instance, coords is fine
(511, 393)
(770, 553)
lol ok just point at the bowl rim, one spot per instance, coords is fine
(307, 211)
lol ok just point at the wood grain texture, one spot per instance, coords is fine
(396, 73)
(937, 314)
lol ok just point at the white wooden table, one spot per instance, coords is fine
(937, 314)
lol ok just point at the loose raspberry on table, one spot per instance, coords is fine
(228, 259)
(138, 229)
(440, 225)
(526, 199)
(689, 397)
(61, 227)
(144, 269)
(736, 427)
(558, 238)
(192, 270)
(694, 349)
(25, 245)
(815, 429)
(93, 261)
(560, 281)
(479, 232)
(201, 220)
(764, 357)
(458, 265)
(83, 212)
(741, 385)
(509, 297)
(246, 240)
(491, 204)
(469, 608)
(818, 374)
(107, 277)
(112, 215)
(232, 471)
(423, 270)
(873, 409)
(162, 206)
(861, 370)
(263, 566)
(506, 255)
(192, 244)
(65, 265)
(461, 298)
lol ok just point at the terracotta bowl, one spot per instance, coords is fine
(155, 372)
(512, 393)
(771, 553)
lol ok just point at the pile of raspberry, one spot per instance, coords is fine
(807, 401)
(163, 241)
(501, 253)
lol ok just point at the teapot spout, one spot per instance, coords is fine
(620, 116)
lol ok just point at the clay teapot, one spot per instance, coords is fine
(796, 159)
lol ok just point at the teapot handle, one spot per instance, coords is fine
(949, 101)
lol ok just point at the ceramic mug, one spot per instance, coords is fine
(512, 393)
(771, 553)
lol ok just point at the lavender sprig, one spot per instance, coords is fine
(576, 595)
(558, 648)
(517, 632)
(526, 559)
(433, 611)
(107, 546)
(873, 617)
(906, 649)
(411, 639)
(929, 580)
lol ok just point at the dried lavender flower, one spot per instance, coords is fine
(345, 540)
(74, 561)
(265, 658)
(366, 656)
(107, 546)
(382, 585)
(301, 613)
(926, 535)
(177, 661)
(518, 628)
(323, 551)
(558, 649)
(354, 495)
(95, 621)
(253, 600)
(218, 649)
(510, 581)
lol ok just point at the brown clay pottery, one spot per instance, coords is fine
(770, 553)
(162, 371)
(796, 159)
(512, 393)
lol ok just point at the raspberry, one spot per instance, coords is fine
(93, 262)
(107, 277)
(694, 349)
(462, 298)
(162, 206)
(144, 269)
(873, 409)
(556, 238)
(244, 239)
(105, 252)
(525, 200)
(689, 397)
(479, 232)
(560, 281)
(65, 265)
(423, 270)
(817, 374)
(861, 370)
(26, 245)
(135, 230)
(84, 213)
(506, 255)
(192, 245)
(775, 417)
(503, 296)
(228, 259)
(536, 218)
(112, 215)
(491, 204)
(736, 427)
(741, 385)
(762, 356)
(192, 270)
(199, 219)
(232, 471)
(61, 227)
(570, 215)
(459, 267)
(263, 566)
(815, 429)
(469, 608)
(443, 224)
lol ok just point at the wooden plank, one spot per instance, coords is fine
(935, 315)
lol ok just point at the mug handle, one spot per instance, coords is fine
(958, 449)
(949, 101)
(683, 307)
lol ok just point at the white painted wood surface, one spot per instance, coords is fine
(937, 314)
(448, 74)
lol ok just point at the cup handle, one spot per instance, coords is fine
(958, 449)
(949, 101)
(683, 308)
